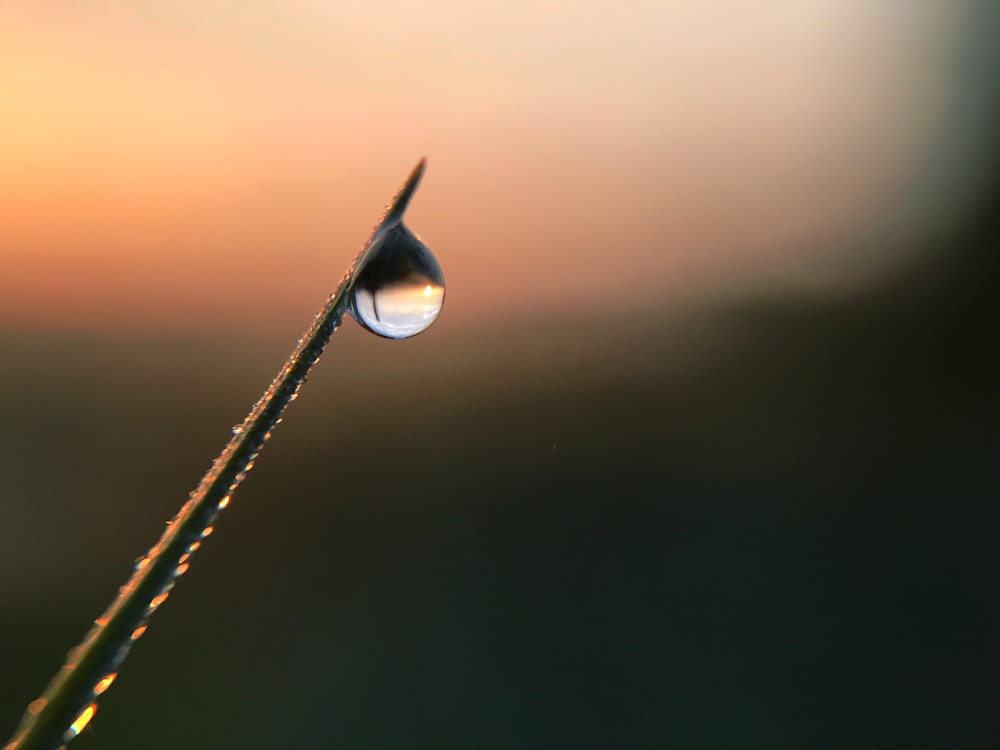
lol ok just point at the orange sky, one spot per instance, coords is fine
(166, 167)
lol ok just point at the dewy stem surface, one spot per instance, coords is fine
(69, 701)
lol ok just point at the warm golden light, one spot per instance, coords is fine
(82, 720)
(158, 600)
(37, 705)
(138, 632)
(104, 684)
(153, 165)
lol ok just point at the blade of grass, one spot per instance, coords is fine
(69, 701)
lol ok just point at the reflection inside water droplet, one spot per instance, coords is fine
(399, 289)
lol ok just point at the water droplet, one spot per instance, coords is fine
(81, 721)
(105, 683)
(399, 289)
(159, 599)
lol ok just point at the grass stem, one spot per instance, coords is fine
(70, 700)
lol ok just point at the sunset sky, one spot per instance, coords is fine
(172, 166)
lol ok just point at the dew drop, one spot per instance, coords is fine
(81, 721)
(105, 683)
(399, 289)
(158, 600)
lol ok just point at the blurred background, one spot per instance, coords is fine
(700, 453)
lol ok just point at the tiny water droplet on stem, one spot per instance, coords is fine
(81, 722)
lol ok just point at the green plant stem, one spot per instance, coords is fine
(70, 698)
